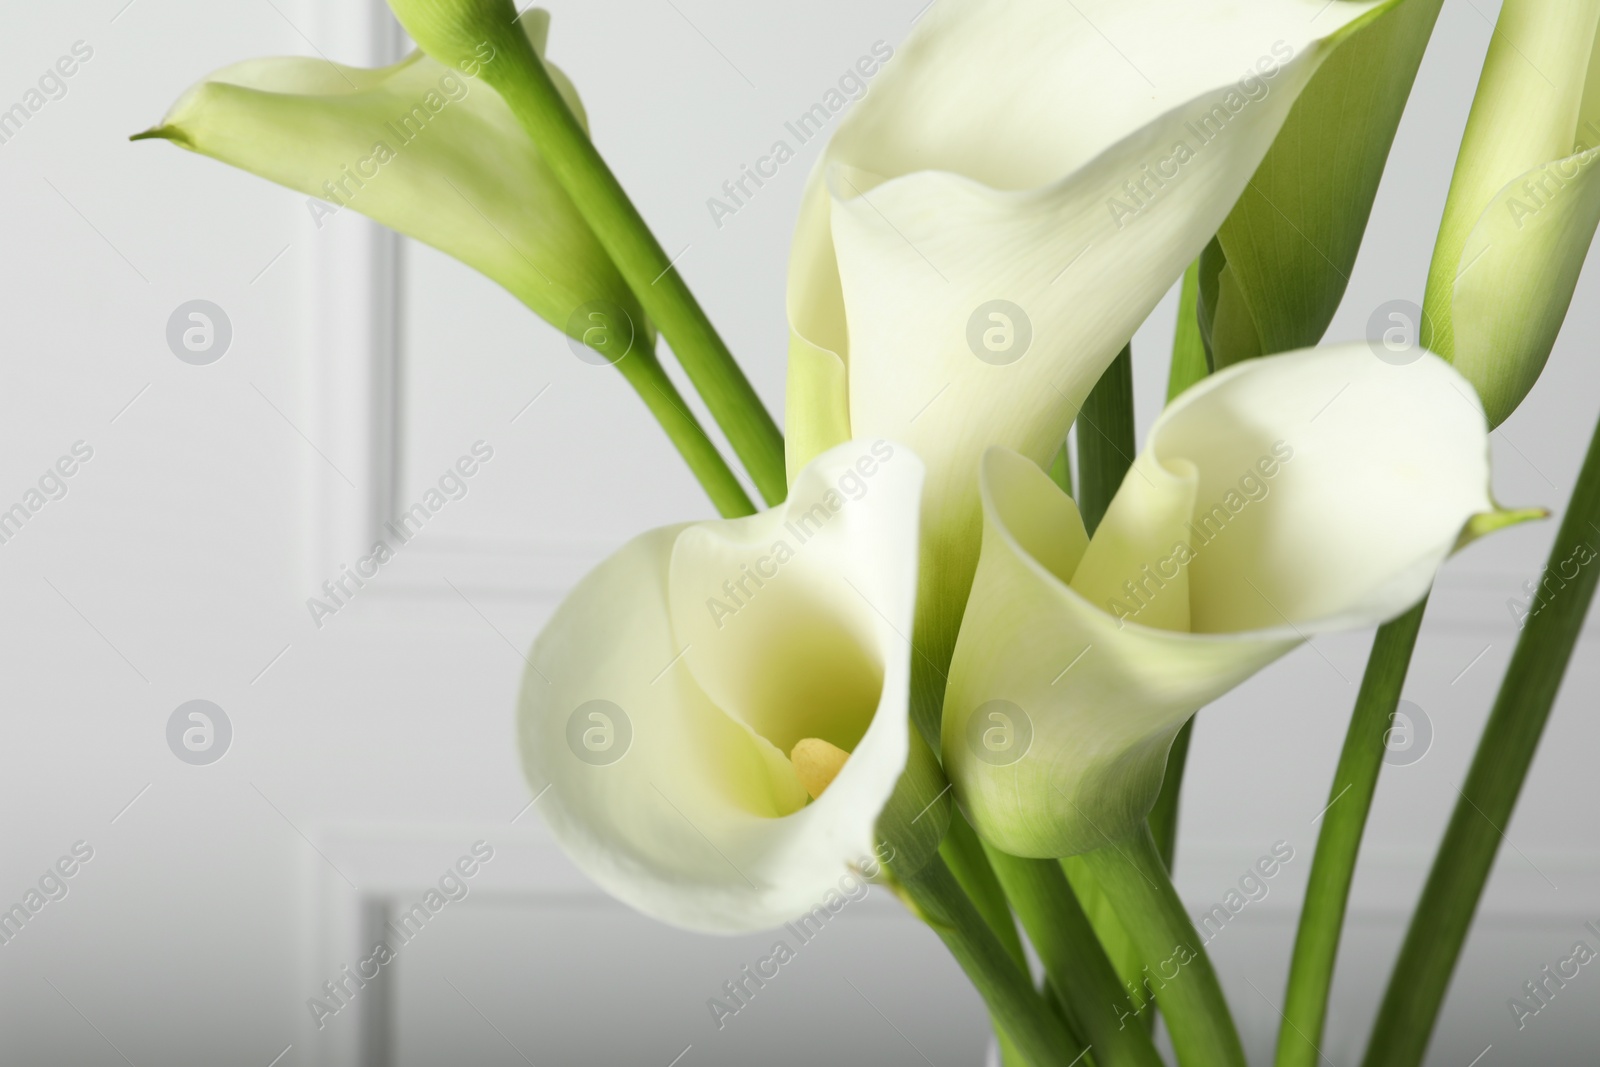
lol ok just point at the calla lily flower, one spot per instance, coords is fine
(1523, 204)
(1285, 497)
(987, 228)
(429, 150)
(718, 713)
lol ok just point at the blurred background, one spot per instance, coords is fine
(345, 763)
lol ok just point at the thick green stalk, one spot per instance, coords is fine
(1428, 957)
(1105, 439)
(1024, 1016)
(1177, 969)
(968, 861)
(963, 852)
(650, 380)
(526, 86)
(1355, 780)
(1081, 974)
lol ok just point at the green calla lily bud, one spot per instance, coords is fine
(1523, 204)
(426, 148)
(1284, 497)
(962, 273)
(715, 720)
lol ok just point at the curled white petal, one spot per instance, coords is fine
(716, 647)
(1021, 185)
(1282, 498)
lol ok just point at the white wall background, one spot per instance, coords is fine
(370, 753)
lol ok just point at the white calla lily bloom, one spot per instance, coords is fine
(1282, 498)
(1023, 183)
(697, 688)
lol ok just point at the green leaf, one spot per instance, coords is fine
(1290, 242)
(1189, 360)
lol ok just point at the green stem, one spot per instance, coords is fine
(539, 107)
(1105, 439)
(1316, 946)
(1079, 969)
(1024, 1016)
(1164, 816)
(963, 852)
(965, 855)
(1176, 966)
(1421, 976)
(645, 373)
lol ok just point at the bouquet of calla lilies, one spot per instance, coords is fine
(942, 658)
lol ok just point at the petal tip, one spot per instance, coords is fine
(163, 133)
(1487, 522)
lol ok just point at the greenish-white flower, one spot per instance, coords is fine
(1524, 202)
(425, 148)
(987, 228)
(716, 718)
(1285, 497)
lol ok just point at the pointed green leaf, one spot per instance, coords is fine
(1292, 239)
